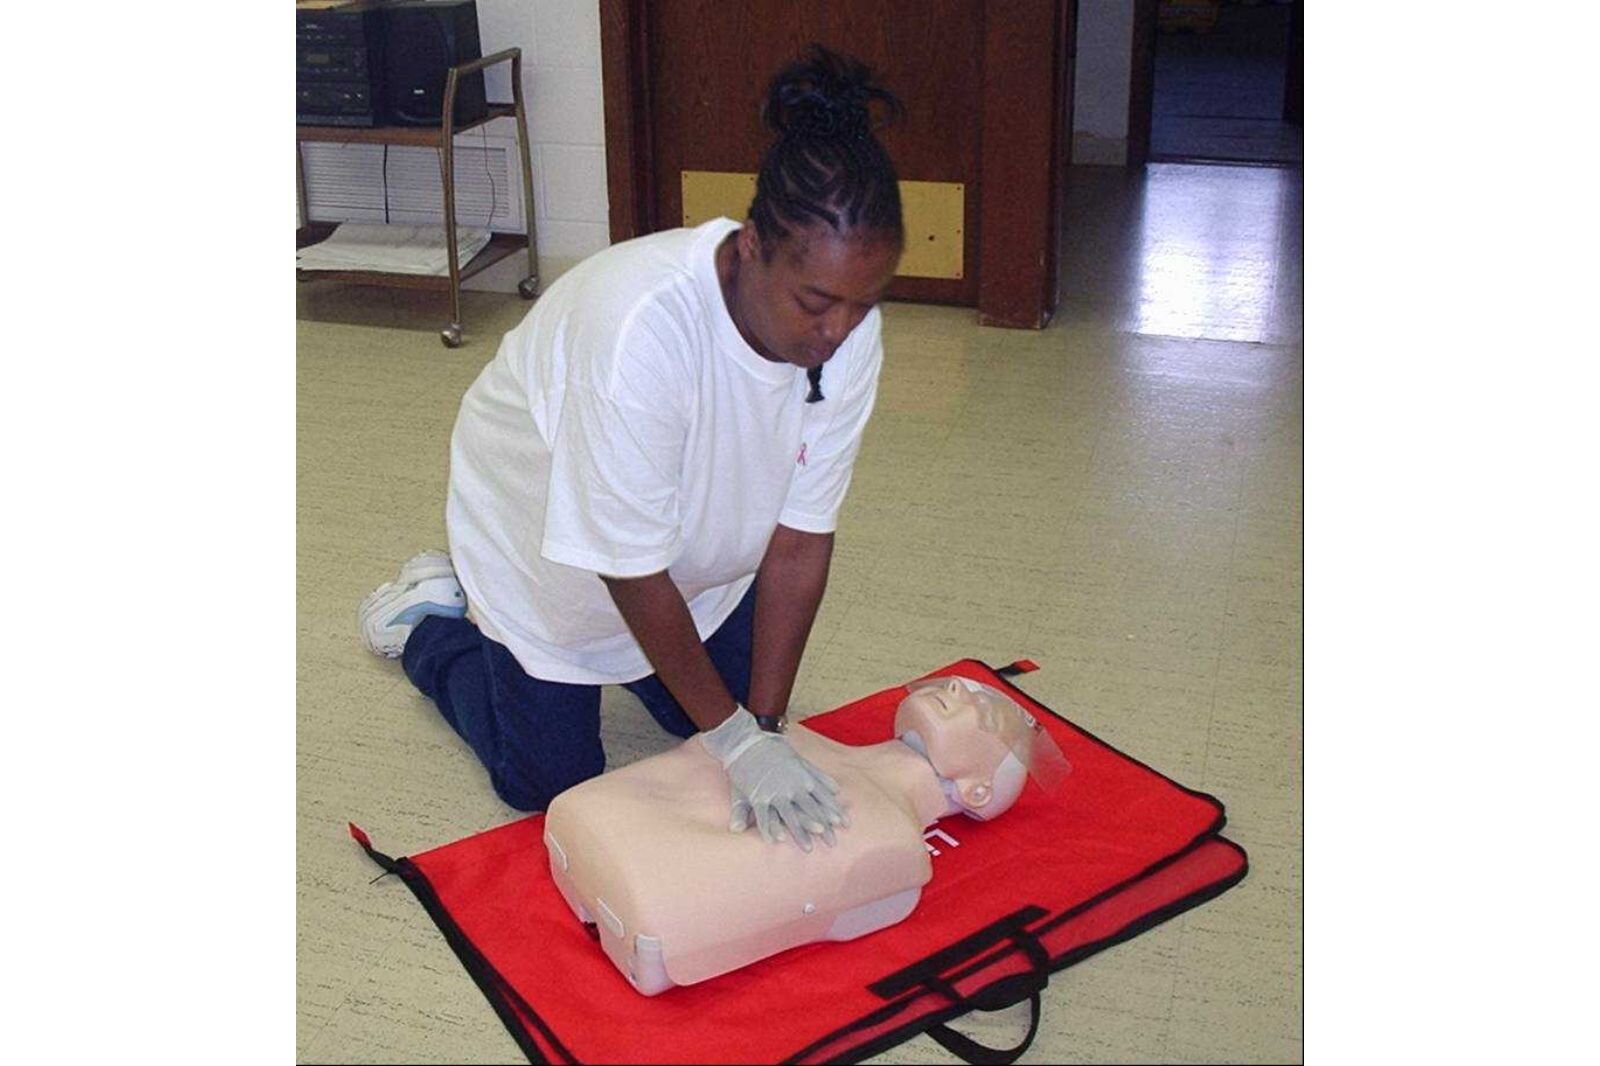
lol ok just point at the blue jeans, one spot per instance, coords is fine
(539, 738)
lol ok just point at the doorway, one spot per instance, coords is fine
(1225, 82)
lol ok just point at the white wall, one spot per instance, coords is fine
(560, 42)
(1100, 87)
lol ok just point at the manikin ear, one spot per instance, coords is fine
(975, 794)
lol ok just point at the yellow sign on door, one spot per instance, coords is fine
(934, 214)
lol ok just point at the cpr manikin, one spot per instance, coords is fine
(644, 852)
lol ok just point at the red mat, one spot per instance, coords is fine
(1119, 849)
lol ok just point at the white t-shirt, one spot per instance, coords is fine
(625, 427)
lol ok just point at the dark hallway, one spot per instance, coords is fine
(1221, 83)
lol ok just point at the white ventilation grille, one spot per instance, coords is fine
(347, 182)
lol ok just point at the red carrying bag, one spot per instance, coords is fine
(1117, 849)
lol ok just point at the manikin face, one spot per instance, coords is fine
(799, 302)
(977, 741)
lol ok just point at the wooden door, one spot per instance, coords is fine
(980, 149)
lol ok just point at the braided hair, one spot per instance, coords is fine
(826, 165)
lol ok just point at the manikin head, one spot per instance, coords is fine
(979, 741)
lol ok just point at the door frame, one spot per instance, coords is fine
(625, 84)
(1142, 81)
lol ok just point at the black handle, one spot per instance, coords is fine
(927, 971)
(969, 1050)
(930, 973)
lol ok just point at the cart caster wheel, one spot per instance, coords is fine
(451, 335)
(528, 288)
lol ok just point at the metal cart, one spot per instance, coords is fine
(442, 138)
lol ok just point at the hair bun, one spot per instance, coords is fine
(824, 96)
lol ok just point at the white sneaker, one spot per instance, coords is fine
(425, 585)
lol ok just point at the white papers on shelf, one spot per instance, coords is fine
(390, 248)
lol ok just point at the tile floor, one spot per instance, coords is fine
(1117, 497)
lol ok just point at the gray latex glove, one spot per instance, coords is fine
(773, 783)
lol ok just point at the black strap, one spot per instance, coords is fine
(927, 971)
(969, 1050)
(995, 997)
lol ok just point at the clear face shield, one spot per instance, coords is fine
(980, 741)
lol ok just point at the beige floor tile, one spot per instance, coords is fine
(414, 1004)
(332, 697)
(1112, 1006)
(1237, 994)
(1118, 497)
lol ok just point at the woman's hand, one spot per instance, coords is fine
(773, 784)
